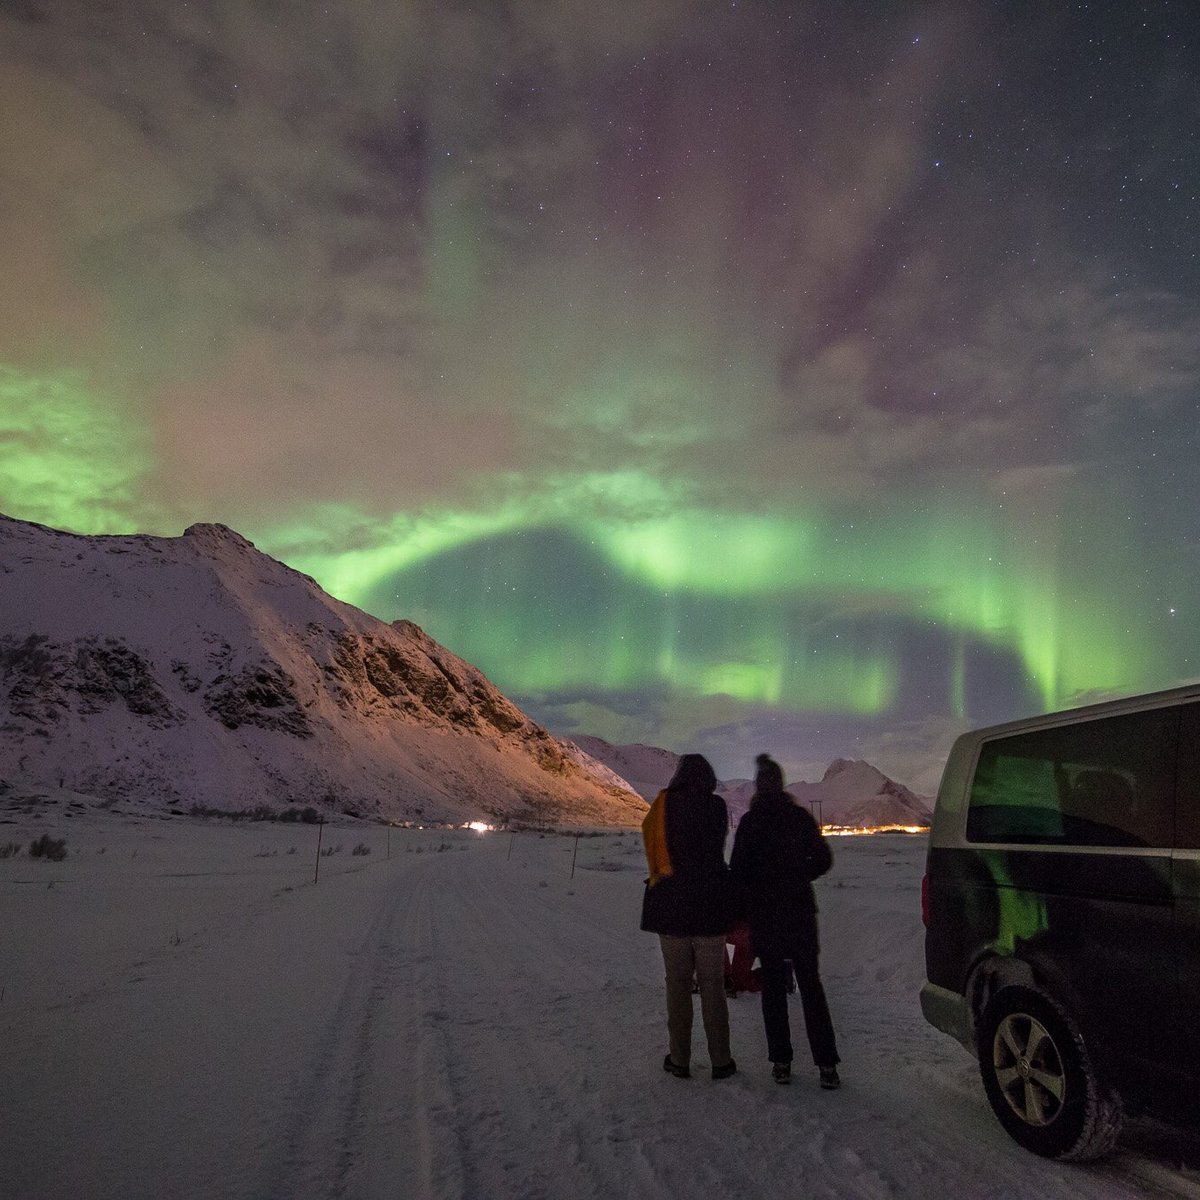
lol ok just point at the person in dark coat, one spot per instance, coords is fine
(777, 853)
(688, 904)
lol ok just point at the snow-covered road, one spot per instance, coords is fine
(462, 1019)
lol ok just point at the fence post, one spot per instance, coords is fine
(512, 838)
(320, 831)
(573, 854)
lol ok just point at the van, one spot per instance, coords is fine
(1061, 902)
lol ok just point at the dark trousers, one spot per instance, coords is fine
(804, 951)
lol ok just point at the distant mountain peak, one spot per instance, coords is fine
(855, 767)
(851, 793)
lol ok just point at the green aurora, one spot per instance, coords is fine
(555, 590)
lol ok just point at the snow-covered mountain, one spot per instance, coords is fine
(647, 769)
(852, 794)
(198, 671)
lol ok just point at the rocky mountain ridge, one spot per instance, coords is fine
(197, 670)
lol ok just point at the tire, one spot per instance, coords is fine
(1040, 1079)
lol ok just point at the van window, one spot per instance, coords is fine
(1187, 799)
(1093, 783)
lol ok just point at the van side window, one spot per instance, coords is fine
(1093, 783)
(1187, 798)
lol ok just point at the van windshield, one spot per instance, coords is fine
(1092, 783)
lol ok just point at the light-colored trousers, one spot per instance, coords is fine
(703, 958)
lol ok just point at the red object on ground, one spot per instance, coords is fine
(741, 973)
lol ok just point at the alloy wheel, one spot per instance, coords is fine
(1029, 1069)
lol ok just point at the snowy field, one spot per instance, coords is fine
(184, 1013)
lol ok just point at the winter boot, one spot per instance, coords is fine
(673, 1068)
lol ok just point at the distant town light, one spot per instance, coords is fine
(479, 826)
(858, 830)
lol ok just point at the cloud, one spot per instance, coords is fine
(270, 433)
(1038, 371)
(56, 204)
(392, 249)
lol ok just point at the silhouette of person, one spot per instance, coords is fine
(777, 853)
(688, 904)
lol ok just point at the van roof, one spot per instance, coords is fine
(1089, 712)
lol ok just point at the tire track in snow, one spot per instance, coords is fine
(352, 1118)
(531, 985)
(321, 1111)
(411, 1144)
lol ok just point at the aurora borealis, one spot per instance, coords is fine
(730, 377)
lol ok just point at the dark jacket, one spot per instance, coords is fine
(695, 900)
(777, 853)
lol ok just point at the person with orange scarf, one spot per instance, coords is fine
(689, 904)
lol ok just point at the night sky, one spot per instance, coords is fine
(819, 378)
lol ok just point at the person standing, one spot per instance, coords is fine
(688, 904)
(777, 852)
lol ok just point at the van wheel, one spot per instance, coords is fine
(1040, 1078)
